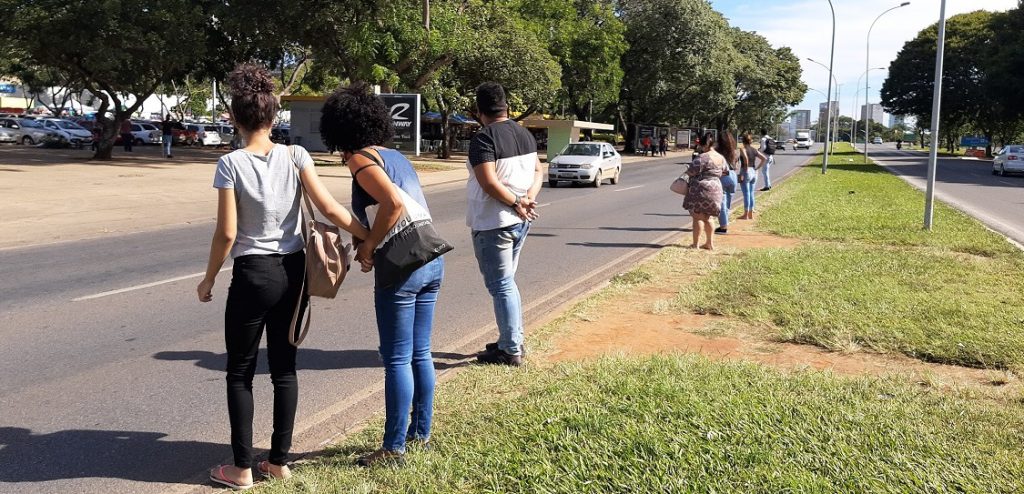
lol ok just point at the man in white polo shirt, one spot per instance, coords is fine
(504, 180)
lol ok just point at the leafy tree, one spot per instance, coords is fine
(767, 81)
(588, 40)
(677, 68)
(121, 50)
(968, 100)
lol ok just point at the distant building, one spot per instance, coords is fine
(801, 119)
(823, 113)
(895, 120)
(874, 110)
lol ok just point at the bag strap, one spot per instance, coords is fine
(295, 336)
(375, 158)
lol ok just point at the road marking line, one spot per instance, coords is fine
(629, 188)
(542, 205)
(1005, 182)
(143, 286)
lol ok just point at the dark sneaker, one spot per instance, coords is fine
(721, 230)
(493, 347)
(381, 457)
(766, 188)
(499, 357)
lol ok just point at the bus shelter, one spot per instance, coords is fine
(562, 132)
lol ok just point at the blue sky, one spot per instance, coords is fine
(806, 27)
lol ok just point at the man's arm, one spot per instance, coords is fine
(538, 178)
(487, 176)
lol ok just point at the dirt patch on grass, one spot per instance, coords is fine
(647, 328)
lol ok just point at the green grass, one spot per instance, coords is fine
(875, 279)
(932, 305)
(684, 424)
(865, 203)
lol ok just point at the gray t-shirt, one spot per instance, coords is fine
(267, 198)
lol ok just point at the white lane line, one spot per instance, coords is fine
(141, 287)
(629, 188)
(542, 205)
(1007, 183)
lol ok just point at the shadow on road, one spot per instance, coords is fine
(308, 359)
(76, 454)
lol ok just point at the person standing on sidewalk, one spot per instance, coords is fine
(728, 181)
(704, 199)
(747, 175)
(768, 150)
(167, 128)
(259, 226)
(126, 134)
(357, 123)
(504, 180)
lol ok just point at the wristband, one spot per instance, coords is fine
(516, 202)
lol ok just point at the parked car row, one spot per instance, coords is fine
(33, 131)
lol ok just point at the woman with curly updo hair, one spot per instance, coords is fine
(259, 226)
(358, 124)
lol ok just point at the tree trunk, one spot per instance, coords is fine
(446, 131)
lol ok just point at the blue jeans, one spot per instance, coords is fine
(167, 140)
(497, 253)
(747, 187)
(728, 189)
(723, 217)
(405, 318)
(767, 169)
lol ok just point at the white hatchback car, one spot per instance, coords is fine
(1009, 160)
(585, 162)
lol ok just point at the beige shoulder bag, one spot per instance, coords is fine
(327, 259)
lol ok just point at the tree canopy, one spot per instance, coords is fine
(982, 53)
(648, 61)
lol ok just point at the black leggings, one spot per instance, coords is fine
(264, 291)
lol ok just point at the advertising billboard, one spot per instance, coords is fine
(405, 118)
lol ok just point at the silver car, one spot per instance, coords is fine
(585, 162)
(1009, 160)
(23, 131)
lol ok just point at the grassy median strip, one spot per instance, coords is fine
(875, 279)
(685, 424)
(865, 203)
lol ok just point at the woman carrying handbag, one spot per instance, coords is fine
(387, 198)
(259, 226)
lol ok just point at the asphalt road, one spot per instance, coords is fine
(113, 372)
(968, 185)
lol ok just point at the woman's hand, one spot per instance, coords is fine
(364, 254)
(205, 290)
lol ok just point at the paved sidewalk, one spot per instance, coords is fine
(50, 195)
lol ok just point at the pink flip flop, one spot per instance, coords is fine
(217, 476)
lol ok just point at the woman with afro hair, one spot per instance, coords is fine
(358, 124)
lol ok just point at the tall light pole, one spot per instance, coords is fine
(933, 153)
(828, 95)
(856, 99)
(867, 96)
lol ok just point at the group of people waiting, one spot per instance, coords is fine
(719, 166)
(259, 225)
(649, 147)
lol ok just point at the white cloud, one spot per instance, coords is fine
(806, 27)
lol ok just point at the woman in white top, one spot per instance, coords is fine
(259, 225)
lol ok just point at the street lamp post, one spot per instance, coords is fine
(867, 80)
(828, 95)
(933, 153)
